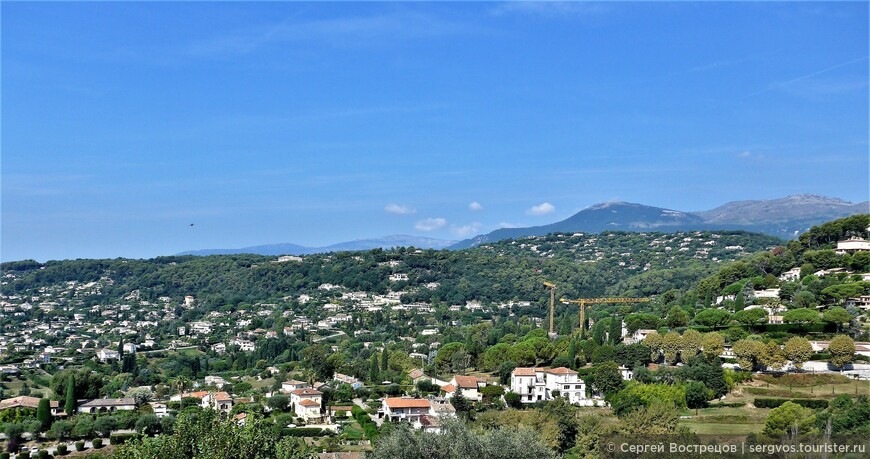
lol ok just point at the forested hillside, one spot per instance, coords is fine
(583, 265)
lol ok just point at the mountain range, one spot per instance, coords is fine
(785, 218)
(386, 242)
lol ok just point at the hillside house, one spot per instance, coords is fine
(306, 404)
(538, 384)
(104, 405)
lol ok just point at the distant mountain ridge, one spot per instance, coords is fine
(386, 242)
(785, 218)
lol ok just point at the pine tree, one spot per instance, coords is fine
(70, 406)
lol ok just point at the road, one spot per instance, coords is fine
(322, 338)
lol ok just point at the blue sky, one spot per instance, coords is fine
(122, 123)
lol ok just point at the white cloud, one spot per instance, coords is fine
(465, 230)
(399, 210)
(510, 225)
(542, 209)
(430, 224)
(475, 206)
(744, 154)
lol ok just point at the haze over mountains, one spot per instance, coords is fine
(386, 242)
(784, 218)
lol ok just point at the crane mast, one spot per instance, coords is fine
(552, 288)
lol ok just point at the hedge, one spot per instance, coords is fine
(4, 455)
(305, 432)
(728, 405)
(815, 404)
(121, 438)
(80, 445)
(23, 456)
(61, 450)
(364, 420)
(98, 443)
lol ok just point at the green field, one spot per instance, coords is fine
(748, 419)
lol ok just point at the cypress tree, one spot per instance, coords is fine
(385, 356)
(572, 354)
(43, 414)
(70, 406)
(615, 330)
(373, 369)
(121, 349)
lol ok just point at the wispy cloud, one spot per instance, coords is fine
(510, 225)
(541, 209)
(430, 224)
(785, 84)
(554, 9)
(718, 64)
(474, 205)
(346, 31)
(399, 209)
(465, 230)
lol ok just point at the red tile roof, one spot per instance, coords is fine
(306, 392)
(308, 402)
(561, 371)
(521, 371)
(449, 388)
(400, 402)
(466, 382)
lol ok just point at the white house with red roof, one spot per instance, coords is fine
(469, 386)
(540, 384)
(406, 409)
(306, 404)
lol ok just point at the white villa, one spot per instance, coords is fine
(538, 384)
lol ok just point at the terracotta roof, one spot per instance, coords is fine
(466, 382)
(561, 371)
(293, 382)
(222, 396)
(24, 401)
(308, 402)
(449, 388)
(416, 374)
(241, 416)
(340, 408)
(400, 402)
(306, 392)
(199, 394)
(521, 371)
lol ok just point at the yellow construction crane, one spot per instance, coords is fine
(584, 301)
(552, 288)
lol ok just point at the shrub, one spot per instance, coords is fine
(61, 449)
(121, 438)
(43, 454)
(98, 443)
(80, 445)
(23, 456)
(305, 432)
(815, 404)
(4, 455)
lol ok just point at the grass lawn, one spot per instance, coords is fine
(354, 431)
(710, 428)
(192, 352)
